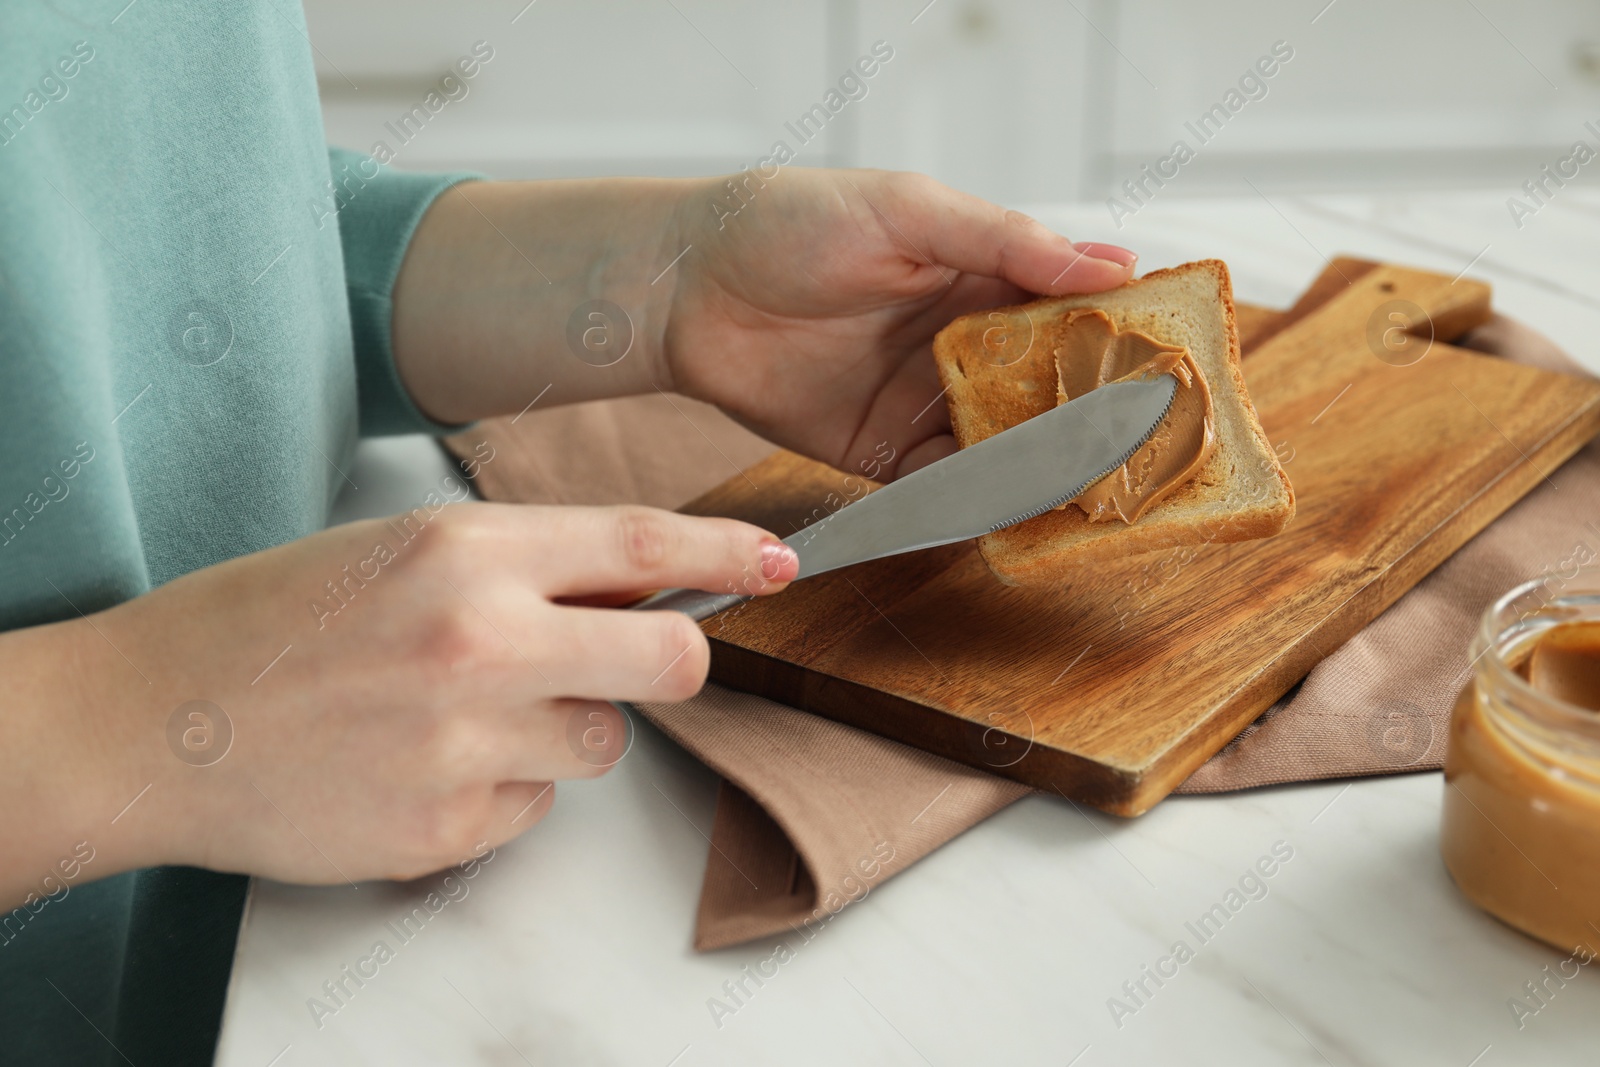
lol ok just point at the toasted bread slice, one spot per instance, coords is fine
(999, 369)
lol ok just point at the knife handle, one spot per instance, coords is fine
(698, 604)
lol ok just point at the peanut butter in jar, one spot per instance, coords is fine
(1521, 824)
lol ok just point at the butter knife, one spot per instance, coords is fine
(1002, 480)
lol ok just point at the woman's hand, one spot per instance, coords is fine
(391, 694)
(808, 303)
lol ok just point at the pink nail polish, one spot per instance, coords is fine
(779, 563)
(1122, 257)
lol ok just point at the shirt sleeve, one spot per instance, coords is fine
(381, 210)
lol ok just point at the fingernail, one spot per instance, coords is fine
(1122, 257)
(779, 563)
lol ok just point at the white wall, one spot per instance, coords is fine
(1017, 100)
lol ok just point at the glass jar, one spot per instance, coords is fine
(1521, 822)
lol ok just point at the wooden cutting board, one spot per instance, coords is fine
(1115, 686)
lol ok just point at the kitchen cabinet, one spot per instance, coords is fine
(608, 87)
(1018, 101)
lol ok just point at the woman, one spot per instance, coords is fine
(195, 325)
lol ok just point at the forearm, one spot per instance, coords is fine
(66, 770)
(489, 305)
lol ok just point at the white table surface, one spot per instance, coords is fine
(573, 945)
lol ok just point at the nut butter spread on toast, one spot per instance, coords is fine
(1095, 353)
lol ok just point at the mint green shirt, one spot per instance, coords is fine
(193, 331)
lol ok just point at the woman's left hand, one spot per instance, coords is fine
(807, 305)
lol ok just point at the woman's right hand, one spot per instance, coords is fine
(390, 697)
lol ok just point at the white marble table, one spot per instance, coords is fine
(572, 946)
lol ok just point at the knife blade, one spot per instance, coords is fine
(1005, 479)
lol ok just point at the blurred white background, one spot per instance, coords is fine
(1015, 100)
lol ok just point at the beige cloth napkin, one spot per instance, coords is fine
(813, 814)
